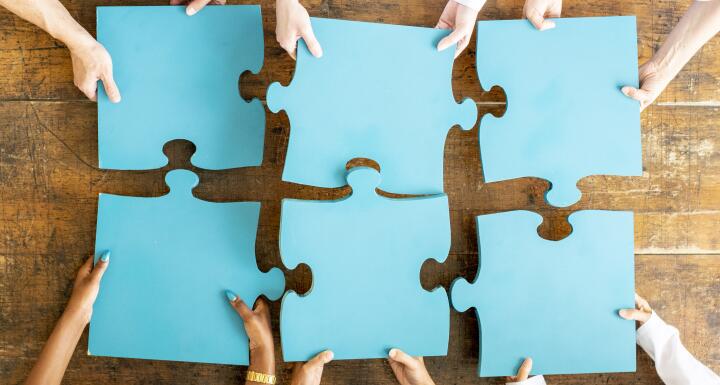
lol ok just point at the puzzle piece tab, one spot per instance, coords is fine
(379, 91)
(365, 253)
(554, 301)
(179, 77)
(566, 117)
(172, 258)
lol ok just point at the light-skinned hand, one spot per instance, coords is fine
(409, 370)
(310, 373)
(194, 6)
(293, 23)
(523, 372)
(461, 20)
(652, 83)
(641, 313)
(537, 10)
(91, 62)
(86, 287)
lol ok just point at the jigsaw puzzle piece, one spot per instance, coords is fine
(172, 258)
(566, 117)
(379, 91)
(365, 253)
(179, 79)
(554, 301)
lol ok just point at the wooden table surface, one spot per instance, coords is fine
(49, 183)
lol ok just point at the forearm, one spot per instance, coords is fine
(51, 16)
(262, 360)
(699, 24)
(55, 356)
(472, 4)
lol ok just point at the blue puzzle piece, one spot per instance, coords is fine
(162, 296)
(381, 92)
(566, 117)
(554, 301)
(179, 77)
(365, 253)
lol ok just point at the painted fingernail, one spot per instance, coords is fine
(230, 295)
(105, 257)
(190, 11)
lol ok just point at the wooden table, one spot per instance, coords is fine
(49, 182)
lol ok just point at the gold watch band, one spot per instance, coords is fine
(261, 378)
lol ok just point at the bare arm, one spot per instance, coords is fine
(699, 24)
(91, 62)
(55, 356)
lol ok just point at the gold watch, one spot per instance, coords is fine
(261, 378)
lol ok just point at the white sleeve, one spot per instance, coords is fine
(472, 4)
(537, 380)
(674, 364)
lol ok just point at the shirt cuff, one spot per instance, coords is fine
(536, 380)
(475, 5)
(652, 330)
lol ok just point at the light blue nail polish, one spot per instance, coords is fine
(105, 257)
(230, 295)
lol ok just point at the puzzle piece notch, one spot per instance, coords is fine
(526, 286)
(160, 98)
(382, 110)
(172, 258)
(588, 127)
(356, 256)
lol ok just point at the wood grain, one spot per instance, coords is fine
(49, 183)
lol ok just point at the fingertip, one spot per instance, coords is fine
(546, 25)
(393, 353)
(190, 10)
(328, 356)
(231, 297)
(105, 257)
(624, 313)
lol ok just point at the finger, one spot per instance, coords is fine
(642, 304)
(538, 21)
(450, 39)
(86, 267)
(289, 45)
(195, 6)
(634, 314)
(102, 264)
(177, 2)
(239, 305)
(261, 308)
(401, 357)
(111, 89)
(461, 45)
(89, 88)
(442, 24)
(321, 359)
(525, 369)
(311, 41)
(635, 93)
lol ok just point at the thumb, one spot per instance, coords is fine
(195, 6)
(635, 93)
(312, 43)
(524, 370)
(321, 359)
(450, 39)
(100, 266)
(111, 89)
(401, 357)
(240, 307)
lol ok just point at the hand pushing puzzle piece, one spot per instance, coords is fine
(179, 78)
(365, 253)
(566, 117)
(172, 258)
(554, 301)
(379, 91)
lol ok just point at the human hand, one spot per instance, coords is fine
(641, 313)
(86, 287)
(652, 83)
(537, 10)
(310, 373)
(194, 6)
(256, 322)
(461, 19)
(293, 23)
(409, 370)
(91, 62)
(523, 372)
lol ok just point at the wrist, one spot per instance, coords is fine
(79, 41)
(262, 360)
(77, 315)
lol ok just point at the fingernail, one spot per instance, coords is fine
(329, 354)
(623, 313)
(105, 257)
(393, 353)
(190, 11)
(230, 295)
